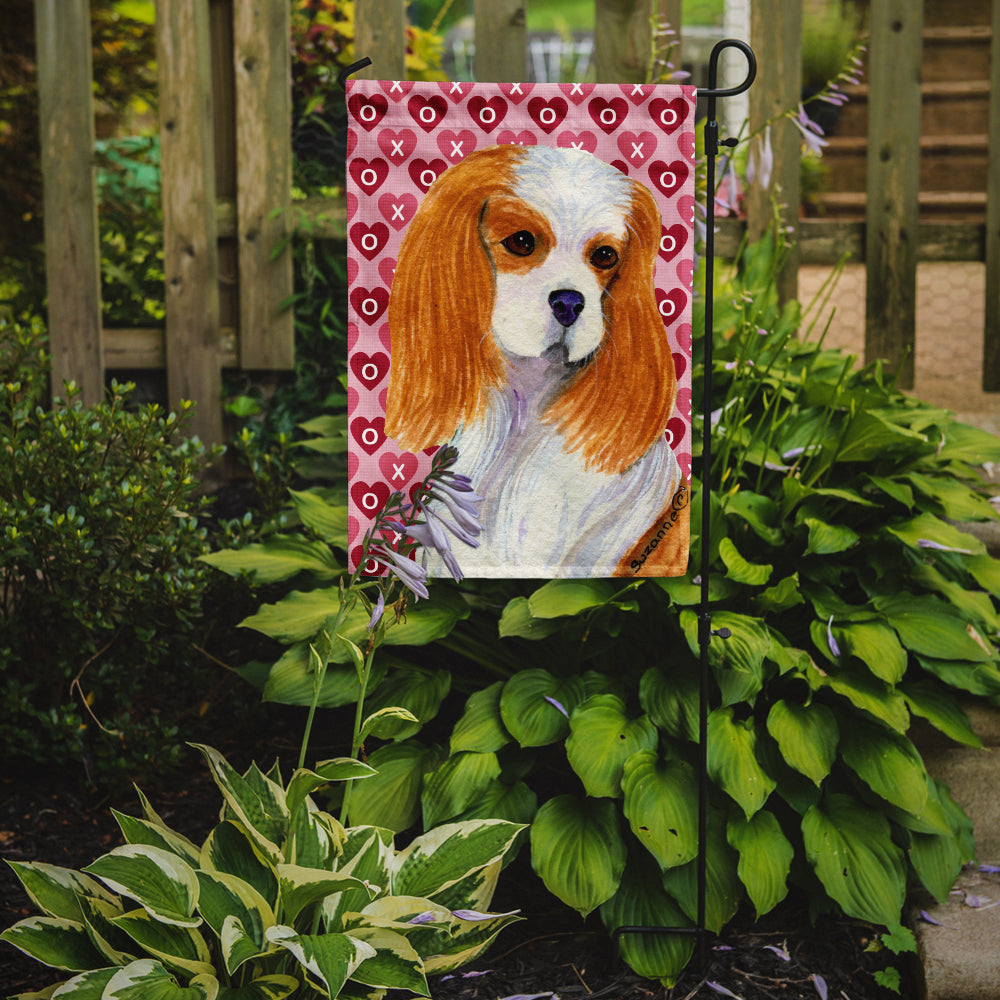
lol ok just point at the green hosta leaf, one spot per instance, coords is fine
(516, 803)
(141, 831)
(976, 678)
(385, 723)
(865, 692)
(738, 569)
(986, 572)
(723, 889)
(56, 891)
(641, 901)
(275, 987)
(395, 964)
(260, 809)
(928, 528)
(159, 881)
(893, 488)
(765, 858)
(827, 539)
(937, 860)
(870, 436)
(602, 738)
(180, 948)
(888, 763)
(569, 597)
(578, 851)
(147, 979)
(758, 511)
(230, 849)
(535, 706)
(517, 620)
(670, 698)
(225, 897)
(738, 661)
(391, 798)
(279, 558)
(783, 595)
(329, 521)
(807, 736)
(661, 798)
(54, 941)
(481, 728)
(301, 887)
(415, 689)
(965, 443)
(876, 646)
(975, 605)
(850, 847)
(941, 709)
(330, 959)
(732, 760)
(304, 782)
(956, 501)
(456, 784)
(438, 859)
(931, 628)
(292, 680)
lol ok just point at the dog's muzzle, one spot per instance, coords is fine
(566, 305)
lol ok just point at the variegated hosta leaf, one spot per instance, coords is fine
(441, 857)
(158, 880)
(87, 986)
(723, 889)
(329, 959)
(642, 902)
(54, 941)
(475, 891)
(578, 851)
(141, 831)
(225, 897)
(661, 799)
(274, 987)
(367, 853)
(602, 737)
(230, 849)
(850, 847)
(315, 839)
(765, 858)
(177, 947)
(395, 964)
(116, 946)
(304, 782)
(256, 801)
(300, 887)
(481, 727)
(732, 760)
(149, 980)
(468, 939)
(807, 736)
(56, 891)
(456, 784)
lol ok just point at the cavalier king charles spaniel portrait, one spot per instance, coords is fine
(525, 332)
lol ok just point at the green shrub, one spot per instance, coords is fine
(280, 899)
(99, 540)
(854, 603)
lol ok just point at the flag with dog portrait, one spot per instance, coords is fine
(520, 266)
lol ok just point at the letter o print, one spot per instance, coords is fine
(487, 115)
(668, 116)
(369, 241)
(371, 567)
(369, 307)
(369, 373)
(667, 308)
(368, 177)
(427, 114)
(668, 180)
(370, 501)
(367, 113)
(668, 243)
(608, 116)
(369, 436)
(427, 178)
(547, 116)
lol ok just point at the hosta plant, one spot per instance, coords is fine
(279, 900)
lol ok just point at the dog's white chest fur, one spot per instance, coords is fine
(543, 511)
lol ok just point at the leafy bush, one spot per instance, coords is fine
(279, 899)
(99, 539)
(854, 601)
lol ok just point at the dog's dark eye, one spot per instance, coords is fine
(604, 257)
(522, 243)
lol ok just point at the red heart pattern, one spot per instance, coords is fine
(402, 135)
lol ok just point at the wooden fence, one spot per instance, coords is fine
(226, 160)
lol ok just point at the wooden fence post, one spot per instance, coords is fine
(776, 35)
(72, 255)
(893, 183)
(190, 251)
(380, 34)
(991, 331)
(262, 61)
(622, 40)
(501, 40)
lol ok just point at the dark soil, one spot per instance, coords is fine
(551, 952)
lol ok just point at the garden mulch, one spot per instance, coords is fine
(59, 820)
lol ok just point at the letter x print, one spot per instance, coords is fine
(398, 473)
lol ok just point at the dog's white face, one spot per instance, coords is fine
(556, 241)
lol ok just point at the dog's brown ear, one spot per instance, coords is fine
(441, 306)
(618, 406)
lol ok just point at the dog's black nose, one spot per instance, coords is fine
(566, 305)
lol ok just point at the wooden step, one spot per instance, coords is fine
(958, 206)
(956, 53)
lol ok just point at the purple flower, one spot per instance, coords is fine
(834, 647)
(408, 573)
(377, 612)
(475, 915)
(427, 917)
(927, 543)
(820, 983)
(811, 132)
(761, 162)
(558, 705)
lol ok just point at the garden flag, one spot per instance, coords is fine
(520, 267)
